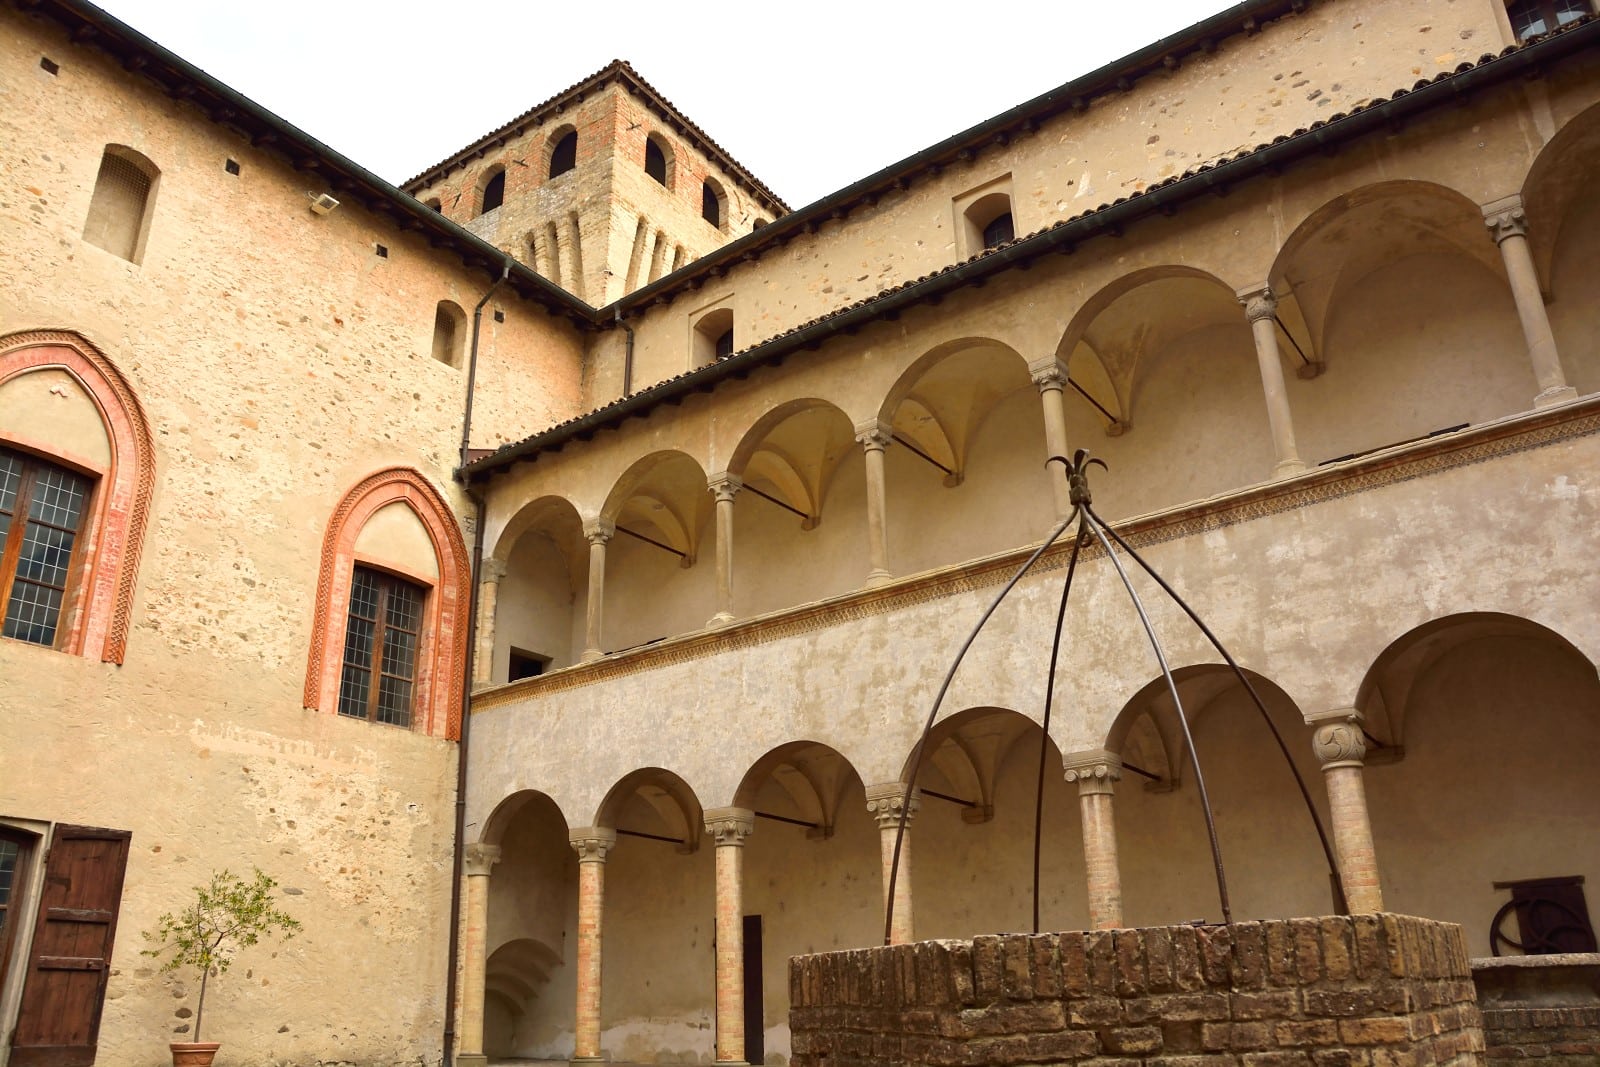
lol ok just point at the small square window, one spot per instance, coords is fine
(499, 316)
(231, 166)
(48, 65)
(382, 250)
(526, 664)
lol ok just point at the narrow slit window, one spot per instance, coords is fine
(382, 632)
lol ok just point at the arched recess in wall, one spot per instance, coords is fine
(655, 588)
(1167, 351)
(63, 404)
(394, 525)
(1454, 704)
(803, 501)
(123, 201)
(1274, 862)
(530, 986)
(809, 867)
(492, 190)
(659, 159)
(1564, 234)
(1398, 291)
(974, 832)
(449, 333)
(714, 203)
(539, 609)
(965, 469)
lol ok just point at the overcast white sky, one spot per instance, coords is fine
(808, 96)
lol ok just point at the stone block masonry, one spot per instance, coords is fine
(1345, 991)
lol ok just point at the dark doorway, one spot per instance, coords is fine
(754, 1019)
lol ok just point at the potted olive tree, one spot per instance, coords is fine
(227, 915)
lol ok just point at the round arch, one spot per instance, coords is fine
(807, 778)
(664, 800)
(796, 446)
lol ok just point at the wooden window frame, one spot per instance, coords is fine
(97, 619)
(388, 584)
(11, 543)
(442, 647)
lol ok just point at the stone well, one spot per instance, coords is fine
(1390, 990)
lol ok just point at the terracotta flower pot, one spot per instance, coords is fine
(194, 1053)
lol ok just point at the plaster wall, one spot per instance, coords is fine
(50, 405)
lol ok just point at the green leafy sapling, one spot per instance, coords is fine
(227, 915)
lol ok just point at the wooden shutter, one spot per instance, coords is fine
(65, 988)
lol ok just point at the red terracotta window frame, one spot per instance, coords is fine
(442, 653)
(98, 614)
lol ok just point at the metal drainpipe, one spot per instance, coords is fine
(472, 362)
(627, 356)
(466, 685)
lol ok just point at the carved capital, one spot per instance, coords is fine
(1511, 222)
(1095, 771)
(1258, 303)
(492, 570)
(885, 803)
(729, 826)
(1338, 740)
(725, 487)
(599, 531)
(478, 858)
(592, 843)
(1048, 374)
(874, 435)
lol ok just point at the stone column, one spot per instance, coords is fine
(1340, 746)
(477, 859)
(724, 487)
(489, 574)
(1261, 308)
(592, 844)
(884, 803)
(875, 437)
(1508, 224)
(1051, 378)
(1097, 773)
(729, 827)
(598, 532)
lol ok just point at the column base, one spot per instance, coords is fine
(1288, 468)
(877, 578)
(1557, 394)
(588, 1059)
(471, 1059)
(589, 655)
(721, 618)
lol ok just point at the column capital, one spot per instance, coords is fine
(1338, 740)
(725, 486)
(1506, 217)
(1259, 302)
(1048, 374)
(874, 434)
(887, 800)
(729, 826)
(477, 858)
(491, 570)
(592, 843)
(1096, 770)
(599, 531)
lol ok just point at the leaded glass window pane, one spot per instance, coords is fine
(41, 512)
(382, 635)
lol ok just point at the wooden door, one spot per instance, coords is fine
(65, 986)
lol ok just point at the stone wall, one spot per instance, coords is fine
(1371, 989)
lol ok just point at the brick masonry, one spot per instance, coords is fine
(1387, 990)
(1545, 1009)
